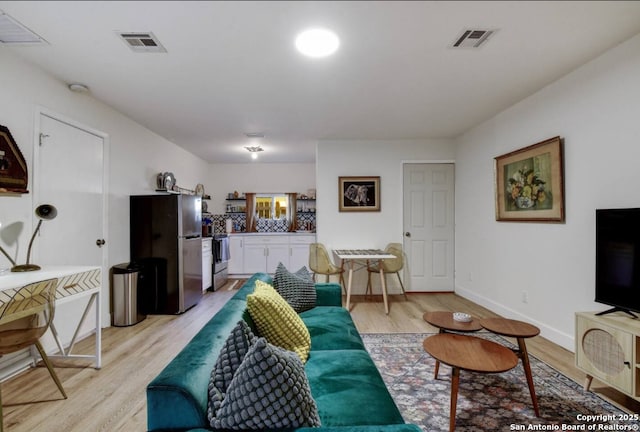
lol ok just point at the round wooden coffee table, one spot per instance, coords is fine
(521, 331)
(445, 322)
(471, 353)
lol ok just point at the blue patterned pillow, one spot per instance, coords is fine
(298, 288)
(277, 397)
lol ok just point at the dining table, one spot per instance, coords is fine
(357, 259)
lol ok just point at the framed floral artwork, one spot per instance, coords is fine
(358, 194)
(529, 183)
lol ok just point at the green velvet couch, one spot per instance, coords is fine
(344, 381)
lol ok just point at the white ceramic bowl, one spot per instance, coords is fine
(461, 316)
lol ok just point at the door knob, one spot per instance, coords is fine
(407, 234)
(100, 242)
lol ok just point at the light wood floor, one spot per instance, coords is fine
(113, 398)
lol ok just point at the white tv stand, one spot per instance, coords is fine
(608, 348)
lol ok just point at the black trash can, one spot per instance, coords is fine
(125, 290)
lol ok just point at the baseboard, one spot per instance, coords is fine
(554, 335)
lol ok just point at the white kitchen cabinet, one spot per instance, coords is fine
(252, 253)
(262, 253)
(277, 253)
(299, 251)
(236, 255)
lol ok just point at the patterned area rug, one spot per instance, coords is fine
(486, 402)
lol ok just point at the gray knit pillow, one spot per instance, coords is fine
(298, 288)
(231, 356)
(270, 390)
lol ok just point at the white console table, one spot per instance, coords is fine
(74, 283)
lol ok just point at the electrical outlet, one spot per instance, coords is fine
(525, 297)
(469, 277)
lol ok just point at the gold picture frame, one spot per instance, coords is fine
(529, 183)
(358, 194)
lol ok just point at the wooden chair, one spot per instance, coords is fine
(394, 265)
(24, 319)
(320, 263)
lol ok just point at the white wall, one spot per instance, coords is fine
(368, 158)
(136, 154)
(257, 177)
(595, 109)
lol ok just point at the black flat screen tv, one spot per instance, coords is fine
(618, 259)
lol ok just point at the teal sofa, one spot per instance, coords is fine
(344, 381)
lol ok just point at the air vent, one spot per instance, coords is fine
(14, 33)
(472, 38)
(142, 42)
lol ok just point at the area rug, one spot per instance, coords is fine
(486, 402)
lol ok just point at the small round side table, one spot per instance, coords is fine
(521, 331)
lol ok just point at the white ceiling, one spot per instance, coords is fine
(231, 67)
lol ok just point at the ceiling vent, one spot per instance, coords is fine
(14, 33)
(472, 38)
(142, 42)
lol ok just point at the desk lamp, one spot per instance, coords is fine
(43, 212)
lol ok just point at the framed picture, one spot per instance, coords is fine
(13, 167)
(359, 194)
(529, 183)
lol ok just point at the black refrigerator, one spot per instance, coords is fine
(166, 242)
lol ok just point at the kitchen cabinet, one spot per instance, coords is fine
(252, 253)
(299, 251)
(262, 253)
(236, 255)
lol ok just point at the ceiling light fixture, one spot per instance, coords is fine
(78, 88)
(317, 42)
(254, 150)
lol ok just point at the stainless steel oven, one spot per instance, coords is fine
(220, 260)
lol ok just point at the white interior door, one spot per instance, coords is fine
(428, 221)
(70, 175)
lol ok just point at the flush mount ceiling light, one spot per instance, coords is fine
(317, 42)
(78, 88)
(254, 150)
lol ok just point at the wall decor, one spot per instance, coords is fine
(529, 183)
(13, 167)
(358, 194)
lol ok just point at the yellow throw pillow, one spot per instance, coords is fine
(277, 322)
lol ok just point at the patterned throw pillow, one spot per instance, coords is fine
(270, 390)
(298, 289)
(277, 321)
(231, 356)
(303, 272)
